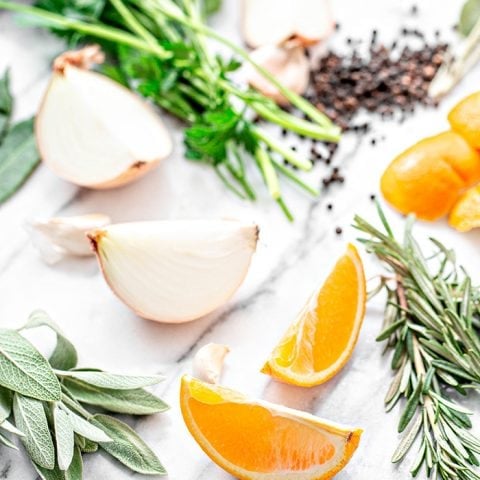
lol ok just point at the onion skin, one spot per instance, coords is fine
(135, 172)
(250, 236)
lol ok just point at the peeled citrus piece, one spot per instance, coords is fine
(465, 214)
(256, 440)
(321, 340)
(464, 118)
(427, 178)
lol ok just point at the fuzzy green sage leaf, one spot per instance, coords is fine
(18, 158)
(132, 402)
(24, 370)
(31, 419)
(127, 447)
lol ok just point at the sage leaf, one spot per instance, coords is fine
(89, 447)
(10, 427)
(7, 442)
(85, 428)
(111, 380)
(6, 103)
(6, 400)
(469, 16)
(64, 438)
(49, 474)
(75, 471)
(18, 158)
(132, 402)
(127, 447)
(30, 418)
(64, 356)
(24, 370)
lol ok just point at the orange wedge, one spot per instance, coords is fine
(256, 440)
(465, 214)
(321, 340)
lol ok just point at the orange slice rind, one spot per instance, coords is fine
(321, 340)
(257, 440)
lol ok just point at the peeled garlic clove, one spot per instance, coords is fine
(175, 271)
(61, 236)
(94, 132)
(208, 362)
(289, 64)
(272, 22)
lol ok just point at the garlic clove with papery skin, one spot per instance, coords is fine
(288, 63)
(94, 132)
(272, 22)
(208, 362)
(58, 237)
(175, 271)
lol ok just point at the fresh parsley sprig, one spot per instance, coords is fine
(160, 49)
(43, 402)
(431, 324)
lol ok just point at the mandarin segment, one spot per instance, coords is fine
(464, 118)
(427, 178)
(321, 340)
(465, 214)
(256, 440)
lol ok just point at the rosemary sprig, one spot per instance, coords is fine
(430, 324)
(43, 402)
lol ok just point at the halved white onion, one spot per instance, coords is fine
(175, 271)
(272, 22)
(94, 132)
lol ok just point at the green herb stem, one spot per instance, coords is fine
(287, 153)
(100, 31)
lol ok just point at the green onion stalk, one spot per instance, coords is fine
(160, 49)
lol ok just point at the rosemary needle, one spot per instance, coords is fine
(430, 324)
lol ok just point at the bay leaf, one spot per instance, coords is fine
(127, 447)
(18, 158)
(31, 419)
(132, 402)
(24, 370)
(64, 438)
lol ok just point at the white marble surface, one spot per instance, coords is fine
(291, 259)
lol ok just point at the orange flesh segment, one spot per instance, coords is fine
(280, 444)
(256, 440)
(324, 335)
(465, 214)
